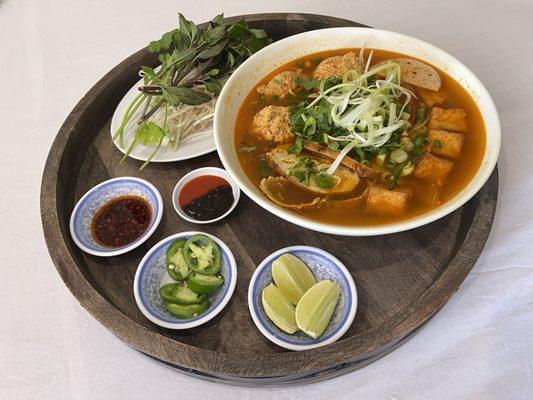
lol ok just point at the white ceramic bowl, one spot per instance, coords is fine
(260, 64)
(200, 172)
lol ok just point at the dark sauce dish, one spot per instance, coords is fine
(205, 195)
(116, 216)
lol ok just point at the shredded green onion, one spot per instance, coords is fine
(369, 110)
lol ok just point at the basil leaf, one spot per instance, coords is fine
(218, 20)
(184, 25)
(213, 51)
(176, 95)
(216, 34)
(214, 86)
(258, 33)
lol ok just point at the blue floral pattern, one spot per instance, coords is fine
(322, 268)
(84, 214)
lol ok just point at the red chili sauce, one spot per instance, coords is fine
(121, 221)
(206, 197)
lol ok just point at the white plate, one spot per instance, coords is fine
(190, 148)
(279, 53)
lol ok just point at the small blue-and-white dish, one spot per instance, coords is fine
(82, 216)
(323, 266)
(152, 274)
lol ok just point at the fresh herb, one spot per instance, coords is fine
(195, 63)
(396, 175)
(364, 112)
(247, 149)
(419, 142)
(437, 144)
(420, 114)
(324, 180)
(304, 170)
(307, 83)
(297, 146)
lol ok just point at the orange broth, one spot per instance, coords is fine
(465, 167)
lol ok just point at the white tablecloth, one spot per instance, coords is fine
(480, 346)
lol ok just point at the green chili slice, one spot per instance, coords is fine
(202, 255)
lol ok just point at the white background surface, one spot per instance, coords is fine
(480, 346)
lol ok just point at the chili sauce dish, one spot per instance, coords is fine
(116, 216)
(185, 280)
(356, 131)
(205, 195)
(302, 297)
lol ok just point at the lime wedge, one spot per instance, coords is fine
(292, 277)
(316, 307)
(279, 310)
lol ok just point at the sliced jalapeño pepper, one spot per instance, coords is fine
(186, 311)
(204, 283)
(177, 268)
(202, 255)
(180, 293)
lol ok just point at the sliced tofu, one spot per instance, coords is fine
(453, 119)
(426, 193)
(417, 73)
(281, 85)
(338, 66)
(273, 124)
(433, 169)
(445, 143)
(387, 202)
(430, 97)
(281, 161)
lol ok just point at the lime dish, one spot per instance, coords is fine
(302, 297)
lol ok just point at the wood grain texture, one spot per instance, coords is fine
(402, 279)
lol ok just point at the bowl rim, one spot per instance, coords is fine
(199, 172)
(298, 347)
(156, 219)
(211, 312)
(483, 173)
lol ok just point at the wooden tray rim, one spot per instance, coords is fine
(249, 365)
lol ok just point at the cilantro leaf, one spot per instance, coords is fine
(149, 134)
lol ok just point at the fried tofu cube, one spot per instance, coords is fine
(281, 85)
(387, 202)
(430, 97)
(272, 124)
(445, 143)
(433, 168)
(453, 119)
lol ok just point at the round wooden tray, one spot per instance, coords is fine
(402, 279)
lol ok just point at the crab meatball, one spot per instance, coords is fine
(273, 124)
(281, 85)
